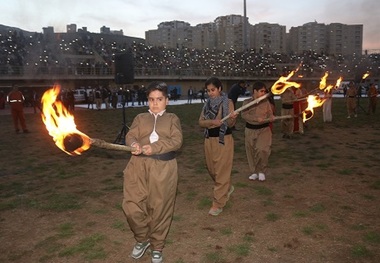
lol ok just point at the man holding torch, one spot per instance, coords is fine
(258, 135)
(287, 125)
(372, 96)
(151, 175)
(351, 100)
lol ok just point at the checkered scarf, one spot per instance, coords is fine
(211, 109)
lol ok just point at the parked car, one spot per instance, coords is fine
(79, 95)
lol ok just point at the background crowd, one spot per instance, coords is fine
(36, 54)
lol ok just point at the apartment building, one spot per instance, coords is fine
(226, 32)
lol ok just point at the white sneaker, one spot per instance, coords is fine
(261, 177)
(253, 177)
(139, 249)
(157, 257)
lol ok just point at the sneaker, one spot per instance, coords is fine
(157, 256)
(139, 249)
(232, 189)
(215, 211)
(261, 177)
(348, 117)
(253, 177)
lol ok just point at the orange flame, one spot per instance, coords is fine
(365, 75)
(322, 83)
(313, 101)
(337, 84)
(60, 123)
(327, 88)
(282, 84)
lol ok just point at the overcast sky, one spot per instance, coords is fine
(135, 17)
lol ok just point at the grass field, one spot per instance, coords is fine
(320, 202)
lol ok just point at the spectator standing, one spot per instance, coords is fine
(236, 90)
(36, 101)
(327, 114)
(98, 98)
(298, 109)
(218, 142)
(287, 125)
(203, 91)
(16, 100)
(114, 98)
(70, 98)
(106, 97)
(190, 94)
(151, 175)
(258, 134)
(273, 106)
(90, 99)
(372, 97)
(175, 94)
(351, 100)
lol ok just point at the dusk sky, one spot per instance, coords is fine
(137, 16)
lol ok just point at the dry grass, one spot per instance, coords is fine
(319, 203)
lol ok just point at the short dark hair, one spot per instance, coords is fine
(258, 85)
(157, 85)
(215, 81)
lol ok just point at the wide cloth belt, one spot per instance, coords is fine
(214, 132)
(256, 126)
(287, 106)
(162, 157)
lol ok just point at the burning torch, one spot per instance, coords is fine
(61, 126)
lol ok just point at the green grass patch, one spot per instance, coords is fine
(120, 225)
(214, 257)
(372, 237)
(191, 195)
(263, 190)
(205, 202)
(271, 217)
(360, 251)
(318, 208)
(62, 202)
(241, 250)
(308, 230)
(226, 231)
(88, 247)
(300, 214)
(66, 230)
(375, 185)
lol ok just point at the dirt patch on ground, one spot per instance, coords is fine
(320, 202)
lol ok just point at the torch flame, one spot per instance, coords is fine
(365, 75)
(322, 83)
(282, 84)
(313, 101)
(337, 84)
(60, 123)
(327, 88)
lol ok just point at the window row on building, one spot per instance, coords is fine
(228, 32)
